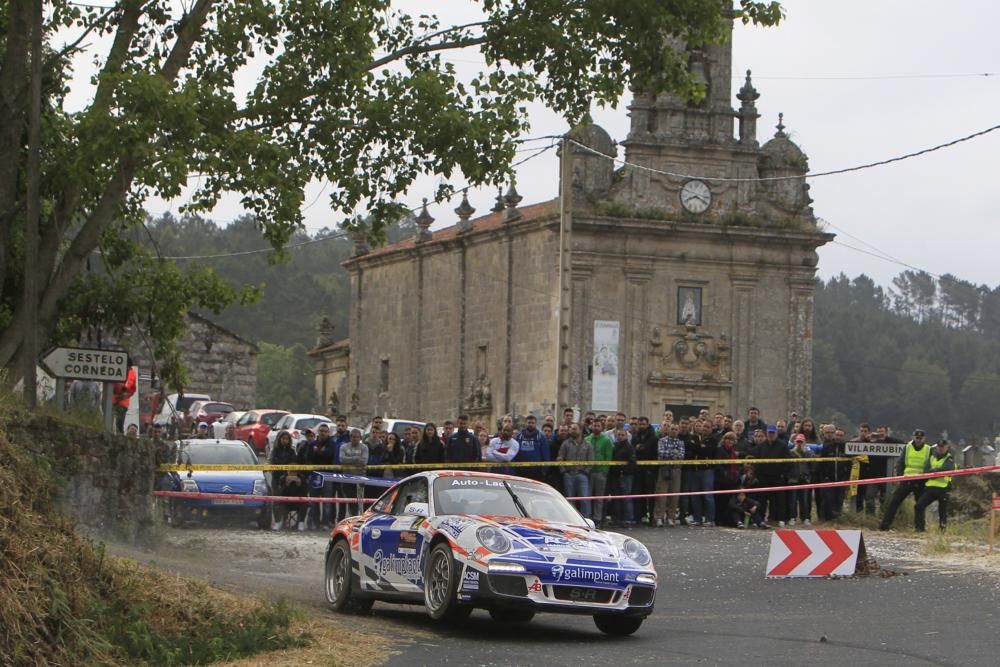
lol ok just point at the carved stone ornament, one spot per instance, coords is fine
(480, 396)
(688, 354)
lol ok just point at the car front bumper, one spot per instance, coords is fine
(528, 591)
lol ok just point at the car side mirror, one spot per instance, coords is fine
(590, 524)
(417, 509)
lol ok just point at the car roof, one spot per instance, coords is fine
(194, 442)
(434, 474)
(306, 415)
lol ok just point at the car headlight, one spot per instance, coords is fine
(637, 552)
(505, 568)
(646, 578)
(493, 539)
(259, 487)
(190, 485)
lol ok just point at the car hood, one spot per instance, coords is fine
(548, 538)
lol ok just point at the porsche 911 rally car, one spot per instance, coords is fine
(455, 541)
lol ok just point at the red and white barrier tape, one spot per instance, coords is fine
(763, 489)
(817, 485)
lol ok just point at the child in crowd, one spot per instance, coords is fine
(745, 510)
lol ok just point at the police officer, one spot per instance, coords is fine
(915, 460)
(936, 488)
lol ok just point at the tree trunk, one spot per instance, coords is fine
(13, 94)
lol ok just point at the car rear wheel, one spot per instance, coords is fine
(512, 615)
(341, 593)
(441, 586)
(619, 626)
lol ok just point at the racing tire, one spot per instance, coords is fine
(508, 616)
(339, 583)
(441, 580)
(619, 626)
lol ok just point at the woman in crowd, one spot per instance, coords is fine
(393, 454)
(283, 483)
(430, 449)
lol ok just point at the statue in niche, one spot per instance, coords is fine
(689, 306)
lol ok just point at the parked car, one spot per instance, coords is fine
(253, 427)
(397, 426)
(455, 541)
(236, 482)
(219, 426)
(296, 424)
(173, 410)
(204, 411)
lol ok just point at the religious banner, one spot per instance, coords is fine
(604, 385)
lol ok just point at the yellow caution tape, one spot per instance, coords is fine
(852, 490)
(484, 465)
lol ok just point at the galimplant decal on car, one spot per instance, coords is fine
(563, 573)
(407, 567)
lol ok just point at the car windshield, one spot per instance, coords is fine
(310, 422)
(271, 418)
(184, 402)
(490, 496)
(218, 453)
(224, 408)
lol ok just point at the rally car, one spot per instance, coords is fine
(455, 541)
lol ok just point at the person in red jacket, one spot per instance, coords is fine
(122, 394)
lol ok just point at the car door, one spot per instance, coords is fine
(392, 543)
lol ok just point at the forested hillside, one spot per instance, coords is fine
(922, 352)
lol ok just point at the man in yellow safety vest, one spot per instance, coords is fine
(936, 488)
(915, 460)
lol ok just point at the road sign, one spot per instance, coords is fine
(874, 448)
(813, 553)
(996, 502)
(83, 364)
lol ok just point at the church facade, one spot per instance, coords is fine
(683, 279)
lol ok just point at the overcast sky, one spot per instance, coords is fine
(935, 212)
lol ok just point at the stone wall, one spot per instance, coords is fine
(463, 324)
(105, 481)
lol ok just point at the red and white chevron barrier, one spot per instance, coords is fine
(814, 553)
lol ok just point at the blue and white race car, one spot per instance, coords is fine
(456, 541)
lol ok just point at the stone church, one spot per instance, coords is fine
(683, 279)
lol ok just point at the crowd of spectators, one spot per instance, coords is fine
(730, 447)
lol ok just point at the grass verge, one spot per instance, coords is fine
(64, 601)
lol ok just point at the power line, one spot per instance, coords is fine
(817, 174)
(874, 77)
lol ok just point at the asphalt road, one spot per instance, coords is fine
(714, 606)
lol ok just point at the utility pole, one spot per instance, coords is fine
(33, 210)
(563, 374)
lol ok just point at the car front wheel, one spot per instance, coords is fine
(619, 626)
(441, 586)
(340, 592)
